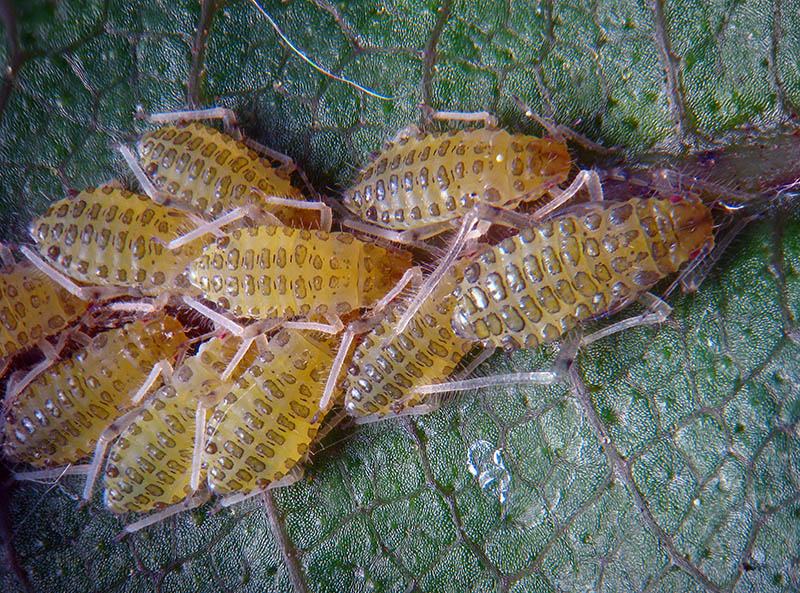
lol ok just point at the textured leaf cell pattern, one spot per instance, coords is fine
(671, 461)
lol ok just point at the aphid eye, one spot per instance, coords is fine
(676, 199)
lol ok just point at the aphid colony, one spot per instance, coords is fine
(222, 232)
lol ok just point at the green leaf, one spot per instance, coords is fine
(673, 460)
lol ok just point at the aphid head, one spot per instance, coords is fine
(691, 220)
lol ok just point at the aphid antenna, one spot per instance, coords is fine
(312, 63)
(561, 131)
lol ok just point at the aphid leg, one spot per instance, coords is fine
(587, 178)
(528, 378)
(290, 478)
(193, 501)
(418, 410)
(133, 307)
(14, 387)
(214, 225)
(403, 134)
(565, 358)
(287, 162)
(6, 257)
(470, 220)
(411, 277)
(160, 368)
(405, 237)
(325, 215)
(85, 293)
(53, 474)
(199, 445)
(228, 117)
(119, 425)
(144, 181)
(489, 120)
(484, 355)
(103, 441)
(333, 327)
(336, 369)
(657, 311)
(219, 319)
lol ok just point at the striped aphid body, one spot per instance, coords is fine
(435, 178)
(57, 418)
(149, 465)
(111, 237)
(381, 380)
(270, 271)
(586, 262)
(215, 173)
(263, 427)
(32, 307)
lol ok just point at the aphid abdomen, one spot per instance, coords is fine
(381, 380)
(263, 427)
(107, 236)
(275, 271)
(149, 465)
(435, 178)
(210, 170)
(32, 307)
(586, 263)
(57, 418)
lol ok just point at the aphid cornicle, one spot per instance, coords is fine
(215, 173)
(58, 417)
(588, 261)
(149, 465)
(32, 307)
(270, 271)
(435, 178)
(380, 380)
(262, 428)
(111, 237)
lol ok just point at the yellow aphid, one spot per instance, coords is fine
(58, 417)
(435, 178)
(111, 237)
(587, 262)
(381, 379)
(264, 426)
(270, 271)
(32, 307)
(198, 165)
(149, 465)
